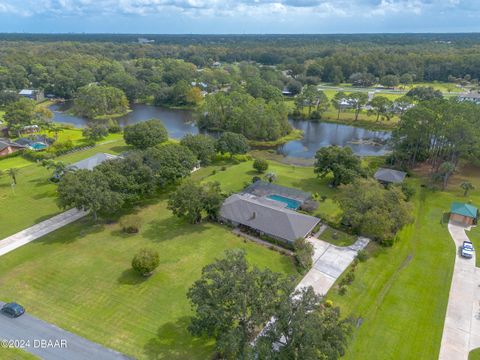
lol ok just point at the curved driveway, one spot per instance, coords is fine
(461, 332)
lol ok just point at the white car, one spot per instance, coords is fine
(467, 249)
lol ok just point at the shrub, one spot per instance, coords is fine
(113, 127)
(328, 303)
(303, 254)
(342, 290)
(362, 255)
(255, 179)
(323, 198)
(350, 276)
(131, 224)
(223, 168)
(260, 165)
(145, 261)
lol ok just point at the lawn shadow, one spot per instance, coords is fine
(72, 232)
(46, 194)
(173, 341)
(170, 228)
(131, 277)
(120, 149)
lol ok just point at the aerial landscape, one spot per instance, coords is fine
(239, 180)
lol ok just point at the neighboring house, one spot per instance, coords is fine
(286, 92)
(216, 64)
(32, 94)
(8, 147)
(91, 162)
(37, 142)
(30, 129)
(269, 209)
(472, 97)
(464, 214)
(389, 176)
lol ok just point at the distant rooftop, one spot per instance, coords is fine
(390, 175)
(26, 92)
(93, 161)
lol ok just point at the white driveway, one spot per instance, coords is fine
(461, 332)
(36, 231)
(329, 262)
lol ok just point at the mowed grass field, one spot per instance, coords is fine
(80, 278)
(33, 199)
(401, 293)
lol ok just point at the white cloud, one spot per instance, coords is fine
(212, 8)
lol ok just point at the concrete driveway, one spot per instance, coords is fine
(461, 332)
(36, 231)
(50, 342)
(329, 262)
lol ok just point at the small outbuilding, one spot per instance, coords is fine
(389, 176)
(463, 214)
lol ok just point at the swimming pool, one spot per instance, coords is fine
(38, 146)
(291, 203)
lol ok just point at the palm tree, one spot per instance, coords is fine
(466, 186)
(446, 169)
(59, 168)
(270, 177)
(13, 174)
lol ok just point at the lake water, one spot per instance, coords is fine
(316, 134)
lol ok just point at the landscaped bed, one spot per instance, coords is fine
(337, 237)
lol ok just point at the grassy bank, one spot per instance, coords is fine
(295, 134)
(401, 293)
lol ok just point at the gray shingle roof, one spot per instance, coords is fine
(92, 161)
(390, 175)
(267, 216)
(4, 143)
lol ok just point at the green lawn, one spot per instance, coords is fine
(16, 354)
(401, 293)
(80, 279)
(337, 237)
(34, 199)
(474, 355)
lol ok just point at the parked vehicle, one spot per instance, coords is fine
(13, 310)
(467, 249)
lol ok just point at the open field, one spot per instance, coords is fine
(34, 198)
(401, 293)
(83, 272)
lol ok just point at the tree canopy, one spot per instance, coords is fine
(340, 162)
(93, 100)
(145, 134)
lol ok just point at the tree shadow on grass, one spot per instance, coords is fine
(173, 341)
(170, 228)
(131, 277)
(72, 232)
(120, 149)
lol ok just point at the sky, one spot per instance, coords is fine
(239, 16)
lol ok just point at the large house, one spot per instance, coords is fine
(32, 94)
(269, 210)
(8, 147)
(464, 214)
(91, 162)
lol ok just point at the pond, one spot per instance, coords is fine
(178, 122)
(316, 134)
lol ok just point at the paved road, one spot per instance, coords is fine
(461, 332)
(36, 231)
(57, 344)
(329, 262)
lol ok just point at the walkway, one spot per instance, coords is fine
(461, 331)
(50, 342)
(36, 231)
(329, 262)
